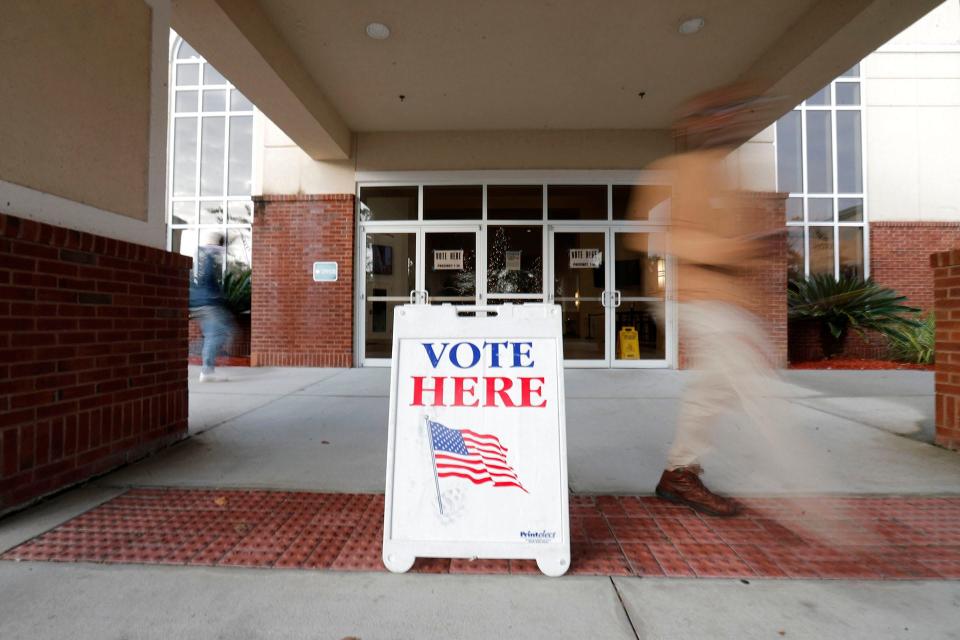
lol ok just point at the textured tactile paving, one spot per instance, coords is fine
(873, 538)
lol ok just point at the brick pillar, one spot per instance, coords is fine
(93, 348)
(770, 285)
(946, 305)
(768, 288)
(296, 322)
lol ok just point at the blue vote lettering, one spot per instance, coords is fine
(521, 351)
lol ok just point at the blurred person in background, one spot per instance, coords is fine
(718, 244)
(207, 304)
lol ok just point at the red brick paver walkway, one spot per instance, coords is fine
(818, 537)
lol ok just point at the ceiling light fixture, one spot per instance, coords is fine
(378, 31)
(691, 26)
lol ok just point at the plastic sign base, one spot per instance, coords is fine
(476, 456)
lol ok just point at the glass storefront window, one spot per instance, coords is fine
(453, 203)
(514, 259)
(794, 209)
(514, 202)
(577, 202)
(821, 250)
(388, 203)
(851, 252)
(641, 202)
(819, 150)
(490, 245)
(796, 256)
(205, 125)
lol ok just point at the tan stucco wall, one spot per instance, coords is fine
(472, 150)
(75, 83)
(287, 169)
(912, 121)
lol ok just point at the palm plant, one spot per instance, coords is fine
(236, 290)
(848, 303)
(918, 345)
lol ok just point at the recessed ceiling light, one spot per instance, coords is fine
(691, 26)
(378, 31)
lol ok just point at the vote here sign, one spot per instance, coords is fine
(476, 462)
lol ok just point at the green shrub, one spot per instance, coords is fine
(916, 344)
(236, 290)
(848, 303)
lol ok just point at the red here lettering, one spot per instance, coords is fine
(527, 391)
(419, 389)
(493, 392)
(460, 390)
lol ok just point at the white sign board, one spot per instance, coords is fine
(324, 271)
(447, 259)
(476, 457)
(513, 261)
(585, 258)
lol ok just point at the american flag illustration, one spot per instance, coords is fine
(477, 457)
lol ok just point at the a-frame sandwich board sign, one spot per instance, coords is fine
(476, 455)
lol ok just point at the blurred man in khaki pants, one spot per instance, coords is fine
(718, 244)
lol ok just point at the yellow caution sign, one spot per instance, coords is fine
(628, 345)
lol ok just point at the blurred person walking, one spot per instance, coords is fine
(720, 246)
(208, 307)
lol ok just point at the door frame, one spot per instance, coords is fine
(583, 227)
(669, 302)
(419, 231)
(670, 312)
(360, 308)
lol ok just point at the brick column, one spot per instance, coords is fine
(296, 322)
(768, 288)
(93, 348)
(946, 305)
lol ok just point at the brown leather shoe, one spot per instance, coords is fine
(683, 486)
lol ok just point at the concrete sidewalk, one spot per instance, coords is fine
(325, 430)
(49, 600)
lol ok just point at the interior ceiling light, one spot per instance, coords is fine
(689, 27)
(378, 31)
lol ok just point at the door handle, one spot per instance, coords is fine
(616, 298)
(603, 299)
(419, 296)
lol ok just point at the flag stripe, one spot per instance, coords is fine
(451, 474)
(483, 436)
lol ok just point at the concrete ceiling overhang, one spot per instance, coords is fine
(485, 65)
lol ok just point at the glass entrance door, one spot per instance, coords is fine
(578, 283)
(409, 265)
(639, 311)
(449, 273)
(390, 279)
(611, 285)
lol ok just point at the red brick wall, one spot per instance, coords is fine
(900, 256)
(899, 259)
(770, 286)
(296, 321)
(93, 343)
(946, 296)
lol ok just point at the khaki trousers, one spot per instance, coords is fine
(728, 348)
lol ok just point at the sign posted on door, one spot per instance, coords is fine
(476, 456)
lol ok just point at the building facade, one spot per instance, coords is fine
(865, 163)
(407, 142)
